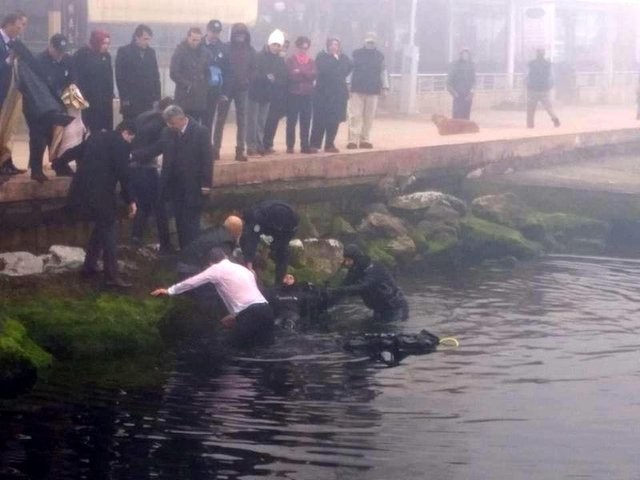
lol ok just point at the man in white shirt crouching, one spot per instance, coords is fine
(250, 318)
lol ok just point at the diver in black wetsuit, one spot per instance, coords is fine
(374, 284)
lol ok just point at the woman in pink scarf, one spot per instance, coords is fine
(302, 75)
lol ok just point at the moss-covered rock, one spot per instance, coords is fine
(20, 358)
(378, 251)
(102, 326)
(566, 226)
(481, 239)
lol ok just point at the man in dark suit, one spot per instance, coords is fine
(187, 171)
(104, 165)
(137, 74)
(11, 28)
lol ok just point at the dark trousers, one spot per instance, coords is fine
(280, 255)
(40, 136)
(462, 107)
(103, 242)
(299, 108)
(213, 97)
(239, 100)
(323, 128)
(276, 111)
(254, 326)
(187, 222)
(146, 185)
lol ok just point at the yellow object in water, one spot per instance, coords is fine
(449, 342)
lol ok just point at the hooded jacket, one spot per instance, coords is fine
(242, 62)
(372, 282)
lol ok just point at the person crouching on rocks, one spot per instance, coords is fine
(375, 285)
(250, 318)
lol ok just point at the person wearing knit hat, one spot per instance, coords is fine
(271, 72)
(94, 74)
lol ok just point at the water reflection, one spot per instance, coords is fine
(544, 386)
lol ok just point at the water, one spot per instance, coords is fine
(544, 386)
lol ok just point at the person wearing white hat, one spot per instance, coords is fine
(270, 73)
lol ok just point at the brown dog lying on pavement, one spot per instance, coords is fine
(454, 126)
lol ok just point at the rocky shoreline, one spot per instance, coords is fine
(67, 320)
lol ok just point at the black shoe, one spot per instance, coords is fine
(352, 146)
(8, 168)
(241, 157)
(366, 145)
(289, 150)
(117, 283)
(556, 122)
(62, 169)
(331, 150)
(309, 150)
(39, 177)
(253, 153)
(216, 155)
(269, 151)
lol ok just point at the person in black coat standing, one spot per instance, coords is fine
(104, 165)
(461, 81)
(95, 79)
(137, 74)
(189, 70)
(187, 171)
(331, 95)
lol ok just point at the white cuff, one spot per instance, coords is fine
(172, 290)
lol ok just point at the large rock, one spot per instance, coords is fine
(383, 225)
(505, 209)
(64, 259)
(323, 255)
(425, 200)
(403, 248)
(481, 240)
(20, 264)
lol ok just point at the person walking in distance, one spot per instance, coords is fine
(242, 64)
(104, 166)
(189, 70)
(302, 75)
(187, 171)
(369, 81)
(218, 69)
(137, 74)
(271, 72)
(331, 96)
(461, 81)
(95, 79)
(539, 85)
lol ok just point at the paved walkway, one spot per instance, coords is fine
(391, 133)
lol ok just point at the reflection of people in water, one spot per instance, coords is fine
(374, 284)
(250, 317)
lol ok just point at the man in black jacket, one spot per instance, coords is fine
(104, 165)
(274, 219)
(11, 28)
(218, 70)
(137, 74)
(235, 88)
(187, 171)
(374, 284)
(539, 85)
(55, 67)
(145, 176)
(460, 82)
(369, 81)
